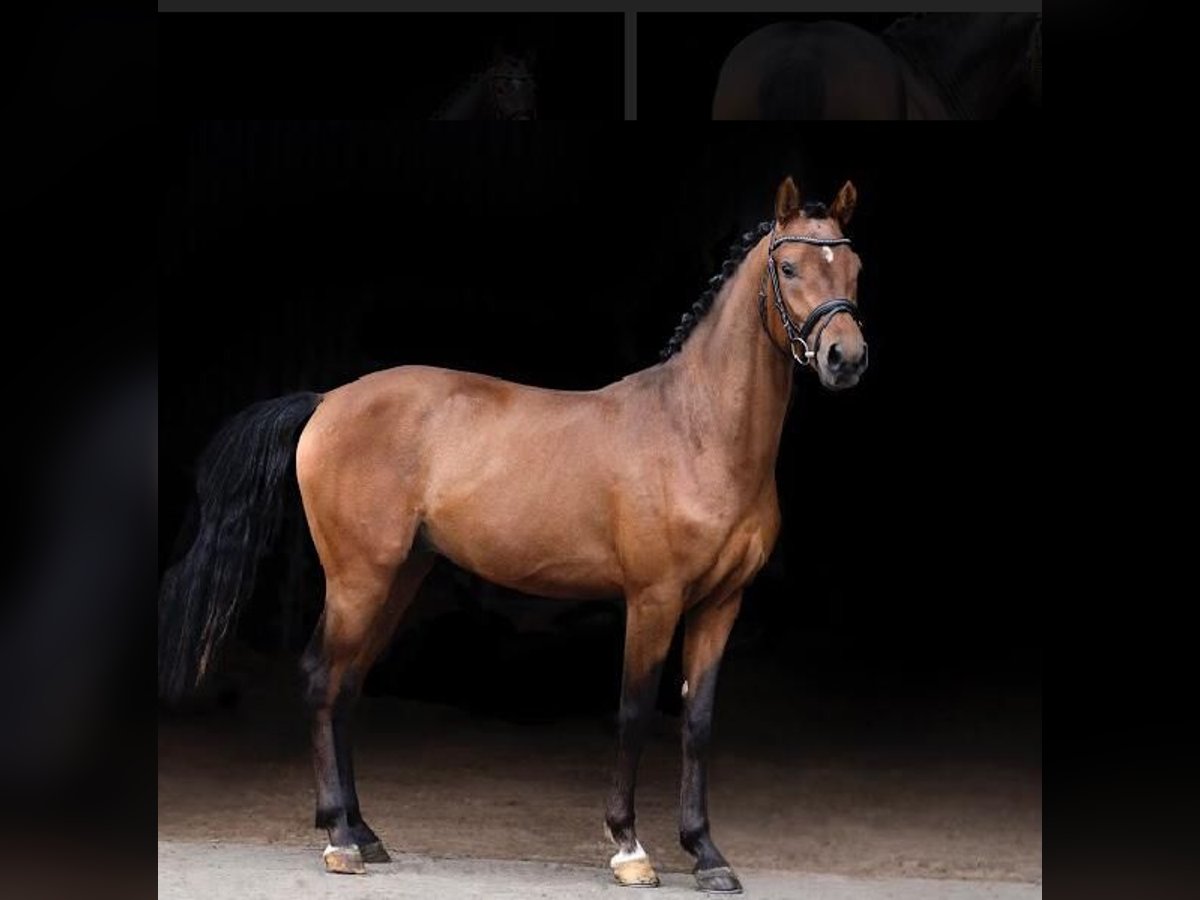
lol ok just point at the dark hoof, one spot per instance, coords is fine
(720, 880)
(374, 852)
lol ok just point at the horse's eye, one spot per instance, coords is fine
(787, 270)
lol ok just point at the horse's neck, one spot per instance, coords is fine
(468, 101)
(738, 377)
(978, 60)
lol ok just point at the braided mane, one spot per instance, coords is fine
(737, 253)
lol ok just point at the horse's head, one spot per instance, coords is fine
(512, 87)
(812, 279)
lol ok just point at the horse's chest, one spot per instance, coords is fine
(727, 565)
(717, 541)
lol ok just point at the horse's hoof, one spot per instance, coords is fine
(374, 852)
(635, 873)
(344, 860)
(632, 868)
(720, 880)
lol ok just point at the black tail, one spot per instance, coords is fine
(241, 493)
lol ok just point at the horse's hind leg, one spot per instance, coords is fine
(360, 615)
(404, 588)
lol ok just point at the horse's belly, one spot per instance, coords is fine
(518, 489)
(535, 542)
(526, 563)
(562, 577)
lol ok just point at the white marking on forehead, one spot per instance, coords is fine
(827, 252)
(685, 687)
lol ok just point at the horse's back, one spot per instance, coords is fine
(395, 411)
(490, 467)
(820, 70)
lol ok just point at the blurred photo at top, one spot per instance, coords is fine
(412, 67)
(821, 66)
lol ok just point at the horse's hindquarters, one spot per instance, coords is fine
(815, 71)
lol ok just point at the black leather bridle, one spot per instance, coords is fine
(817, 320)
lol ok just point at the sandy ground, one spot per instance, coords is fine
(254, 872)
(889, 795)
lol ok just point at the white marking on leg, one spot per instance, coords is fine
(625, 856)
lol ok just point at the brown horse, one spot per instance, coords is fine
(924, 66)
(659, 488)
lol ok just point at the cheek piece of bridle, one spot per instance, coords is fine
(804, 340)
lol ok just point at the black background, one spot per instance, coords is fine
(679, 84)
(301, 254)
(77, 569)
(382, 66)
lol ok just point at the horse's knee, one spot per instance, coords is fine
(697, 732)
(633, 714)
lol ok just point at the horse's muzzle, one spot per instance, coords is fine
(841, 371)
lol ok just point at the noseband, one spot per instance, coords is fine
(817, 320)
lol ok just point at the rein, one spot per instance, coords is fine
(817, 320)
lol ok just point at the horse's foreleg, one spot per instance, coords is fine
(707, 628)
(650, 621)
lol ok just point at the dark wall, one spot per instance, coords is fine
(300, 255)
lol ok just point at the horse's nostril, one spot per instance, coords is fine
(835, 357)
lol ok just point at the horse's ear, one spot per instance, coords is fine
(787, 201)
(844, 203)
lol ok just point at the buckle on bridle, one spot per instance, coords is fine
(805, 358)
